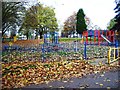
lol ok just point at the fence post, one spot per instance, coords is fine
(116, 46)
(109, 54)
(85, 56)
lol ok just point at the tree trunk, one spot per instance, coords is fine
(27, 35)
(41, 35)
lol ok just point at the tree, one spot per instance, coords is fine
(69, 25)
(117, 17)
(111, 24)
(41, 19)
(80, 24)
(12, 14)
(116, 27)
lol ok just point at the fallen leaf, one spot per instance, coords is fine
(81, 87)
(96, 83)
(96, 72)
(65, 81)
(50, 86)
(61, 87)
(101, 84)
(71, 81)
(108, 80)
(108, 88)
(102, 75)
(46, 82)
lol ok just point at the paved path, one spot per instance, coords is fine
(100, 80)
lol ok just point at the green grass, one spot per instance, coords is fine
(69, 39)
(74, 39)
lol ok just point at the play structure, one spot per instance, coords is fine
(90, 37)
(47, 37)
(96, 44)
(100, 37)
(113, 54)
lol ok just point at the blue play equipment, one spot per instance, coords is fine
(85, 55)
(56, 37)
(7, 47)
(47, 37)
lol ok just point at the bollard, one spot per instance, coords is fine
(85, 56)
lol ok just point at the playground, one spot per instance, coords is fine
(43, 61)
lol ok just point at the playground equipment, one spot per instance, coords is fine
(48, 36)
(105, 38)
(55, 37)
(113, 54)
(85, 54)
(99, 36)
(15, 38)
(73, 49)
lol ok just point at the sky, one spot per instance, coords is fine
(99, 11)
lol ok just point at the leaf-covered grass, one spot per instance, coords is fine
(20, 74)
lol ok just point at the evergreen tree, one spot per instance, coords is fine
(80, 24)
(117, 17)
(116, 27)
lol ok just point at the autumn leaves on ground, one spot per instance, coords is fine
(22, 73)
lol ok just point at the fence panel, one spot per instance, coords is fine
(113, 55)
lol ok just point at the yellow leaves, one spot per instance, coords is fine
(3, 65)
(96, 72)
(46, 82)
(35, 82)
(47, 71)
(10, 43)
(101, 84)
(108, 80)
(9, 78)
(108, 88)
(68, 66)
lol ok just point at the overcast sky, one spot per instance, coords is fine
(99, 11)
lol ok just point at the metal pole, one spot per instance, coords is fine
(85, 56)
(116, 46)
(43, 52)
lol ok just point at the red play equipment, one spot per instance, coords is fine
(99, 36)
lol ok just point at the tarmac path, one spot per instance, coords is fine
(106, 80)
